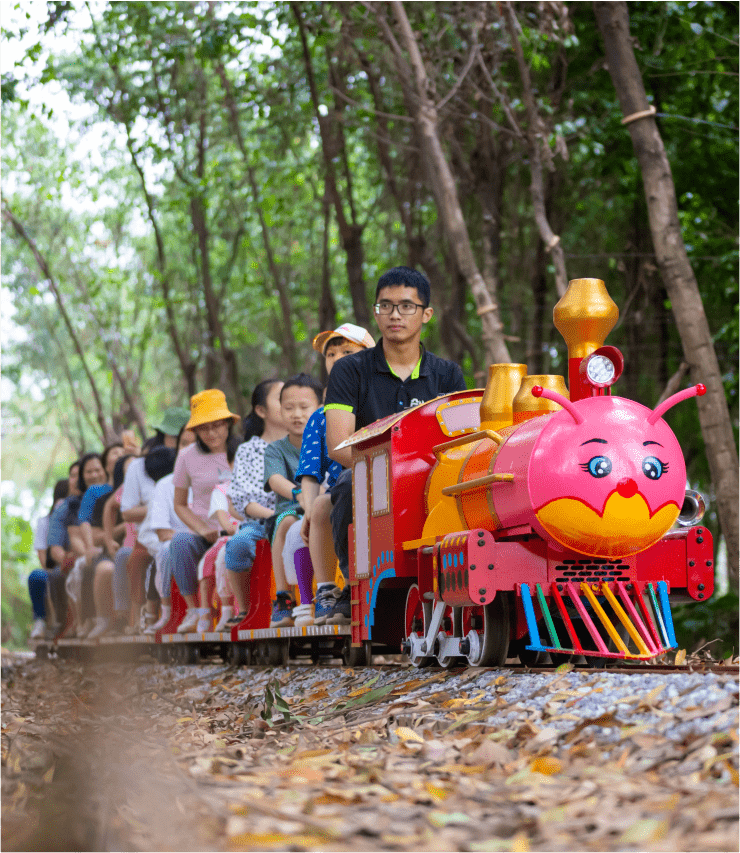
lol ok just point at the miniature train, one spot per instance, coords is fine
(519, 520)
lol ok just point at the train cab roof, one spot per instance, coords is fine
(444, 417)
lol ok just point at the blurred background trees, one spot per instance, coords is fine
(233, 177)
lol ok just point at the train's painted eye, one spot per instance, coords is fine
(598, 466)
(653, 468)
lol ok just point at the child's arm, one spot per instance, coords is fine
(226, 522)
(310, 488)
(310, 491)
(281, 486)
(255, 510)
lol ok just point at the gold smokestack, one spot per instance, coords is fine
(503, 383)
(584, 316)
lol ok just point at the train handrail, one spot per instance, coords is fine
(468, 438)
(477, 483)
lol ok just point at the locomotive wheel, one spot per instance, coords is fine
(531, 658)
(418, 613)
(492, 644)
(276, 653)
(260, 653)
(354, 655)
(237, 654)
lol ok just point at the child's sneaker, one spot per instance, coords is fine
(324, 603)
(84, 629)
(281, 610)
(226, 614)
(303, 615)
(341, 614)
(38, 630)
(205, 621)
(161, 622)
(100, 627)
(235, 620)
(189, 622)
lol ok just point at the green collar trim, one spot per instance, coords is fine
(414, 373)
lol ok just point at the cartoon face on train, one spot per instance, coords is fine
(607, 477)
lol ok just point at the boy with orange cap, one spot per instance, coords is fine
(313, 468)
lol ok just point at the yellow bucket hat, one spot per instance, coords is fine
(209, 406)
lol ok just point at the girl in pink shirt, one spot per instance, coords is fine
(201, 467)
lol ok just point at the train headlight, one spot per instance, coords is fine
(600, 371)
(603, 367)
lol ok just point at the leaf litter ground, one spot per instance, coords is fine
(152, 757)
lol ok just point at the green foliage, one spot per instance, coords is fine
(712, 624)
(17, 561)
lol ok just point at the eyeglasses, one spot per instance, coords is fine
(406, 308)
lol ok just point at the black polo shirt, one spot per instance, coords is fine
(362, 383)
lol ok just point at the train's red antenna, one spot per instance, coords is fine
(694, 391)
(539, 391)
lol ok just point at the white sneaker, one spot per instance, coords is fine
(190, 622)
(101, 626)
(161, 622)
(226, 614)
(85, 628)
(303, 615)
(39, 629)
(205, 620)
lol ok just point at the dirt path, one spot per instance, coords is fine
(147, 757)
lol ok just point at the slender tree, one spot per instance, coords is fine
(678, 276)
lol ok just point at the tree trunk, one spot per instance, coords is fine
(445, 192)
(678, 276)
(327, 305)
(536, 143)
(106, 431)
(333, 147)
(289, 344)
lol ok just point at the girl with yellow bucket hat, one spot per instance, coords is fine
(202, 466)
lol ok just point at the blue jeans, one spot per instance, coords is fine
(186, 549)
(241, 548)
(37, 582)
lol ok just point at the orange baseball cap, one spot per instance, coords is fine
(353, 333)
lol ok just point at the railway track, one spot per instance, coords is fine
(659, 667)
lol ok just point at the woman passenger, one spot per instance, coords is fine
(92, 474)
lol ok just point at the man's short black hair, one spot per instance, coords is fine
(406, 277)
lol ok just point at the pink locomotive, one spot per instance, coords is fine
(523, 519)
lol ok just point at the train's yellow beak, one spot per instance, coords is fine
(625, 527)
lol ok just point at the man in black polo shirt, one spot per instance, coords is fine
(379, 381)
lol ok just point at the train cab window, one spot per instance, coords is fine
(361, 519)
(459, 416)
(379, 488)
